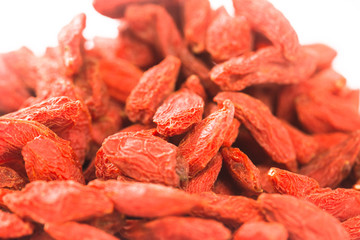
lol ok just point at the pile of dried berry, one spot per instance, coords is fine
(191, 124)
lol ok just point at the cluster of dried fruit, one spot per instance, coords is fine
(191, 124)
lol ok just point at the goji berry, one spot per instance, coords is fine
(265, 128)
(302, 219)
(231, 210)
(244, 172)
(324, 54)
(326, 141)
(76, 231)
(12, 90)
(352, 226)
(305, 146)
(244, 71)
(261, 230)
(322, 113)
(286, 182)
(193, 83)
(179, 112)
(58, 201)
(154, 86)
(115, 71)
(156, 160)
(326, 80)
(228, 36)
(108, 124)
(267, 20)
(9, 178)
(205, 179)
(202, 143)
(145, 199)
(25, 131)
(197, 17)
(57, 113)
(330, 167)
(341, 203)
(12, 226)
(111, 223)
(133, 49)
(92, 89)
(23, 63)
(71, 44)
(154, 25)
(179, 228)
(57, 162)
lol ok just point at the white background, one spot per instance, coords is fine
(35, 24)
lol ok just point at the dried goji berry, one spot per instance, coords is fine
(115, 8)
(265, 128)
(193, 83)
(330, 167)
(305, 146)
(12, 90)
(3, 192)
(322, 113)
(232, 131)
(324, 54)
(92, 89)
(23, 63)
(133, 49)
(111, 223)
(302, 219)
(24, 131)
(267, 20)
(228, 36)
(244, 71)
(108, 124)
(231, 210)
(261, 231)
(9, 178)
(203, 141)
(240, 167)
(154, 25)
(145, 199)
(326, 141)
(57, 113)
(197, 17)
(76, 231)
(120, 76)
(179, 112)
(12, 226)
(326, 80)
(266, 183)
(286, 182)
(205, 179)
(352, 226)
(46, 159)
(71, 44)
(58, 201)
(179, 228)
(266, 93)
(341, 203)
(80, 134)
(154, 86)
(141, 156)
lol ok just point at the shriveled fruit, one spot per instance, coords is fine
(58, 201)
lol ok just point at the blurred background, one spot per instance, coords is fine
(36, 23)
